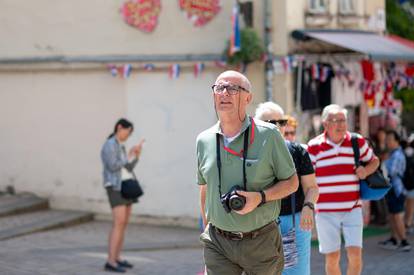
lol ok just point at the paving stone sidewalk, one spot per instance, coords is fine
(81, 249)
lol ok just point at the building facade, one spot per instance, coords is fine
(59, 101)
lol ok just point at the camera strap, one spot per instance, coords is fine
(245, 147)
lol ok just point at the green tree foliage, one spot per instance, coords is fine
(251, 48)
(399, 22)
(407, 97)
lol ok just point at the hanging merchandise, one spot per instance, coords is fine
(142, 14)
(368, 70)
(315, 71)
(200, 12)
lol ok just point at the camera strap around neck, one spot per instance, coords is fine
(244, 152)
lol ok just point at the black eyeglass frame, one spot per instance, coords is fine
(280, 122)
(236, 88)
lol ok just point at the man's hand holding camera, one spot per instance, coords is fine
(253, 199)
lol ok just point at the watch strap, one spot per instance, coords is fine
(262, 193)
(310, 205)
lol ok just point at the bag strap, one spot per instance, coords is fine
(218, 153)
(355, 148)
(292, 196)
(292, 204)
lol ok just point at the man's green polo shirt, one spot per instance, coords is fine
(268, 159)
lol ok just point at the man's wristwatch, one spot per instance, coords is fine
(262, 193)
(310, 205)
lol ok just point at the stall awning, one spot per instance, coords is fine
(375, 46)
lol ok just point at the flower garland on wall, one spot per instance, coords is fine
(200, 12)
(141, 14)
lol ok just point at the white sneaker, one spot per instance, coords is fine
(404, 246)
(389, 244)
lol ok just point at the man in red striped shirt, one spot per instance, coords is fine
(339, 206)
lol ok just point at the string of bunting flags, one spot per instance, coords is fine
(398, 77)
(174, 70)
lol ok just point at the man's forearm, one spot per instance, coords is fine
(282, 188)
(310, 188)
(203, 189)
(372, 166)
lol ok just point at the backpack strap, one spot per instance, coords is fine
(355, 148)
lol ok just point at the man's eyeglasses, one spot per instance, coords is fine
(337, 121)
(231, 89)
(279, 122)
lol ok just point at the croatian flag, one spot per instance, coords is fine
(149, 67)
(198, 69)
(174, 71)
(127, 70)
(235, 42)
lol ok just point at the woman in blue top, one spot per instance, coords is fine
(117, 164)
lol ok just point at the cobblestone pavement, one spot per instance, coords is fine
(153, 250)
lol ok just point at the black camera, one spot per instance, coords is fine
(233, 201)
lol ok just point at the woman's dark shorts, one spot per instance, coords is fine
(395, 204)
(116, 199)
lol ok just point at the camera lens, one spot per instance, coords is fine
(237, 202)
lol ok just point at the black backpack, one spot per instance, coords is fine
(408, 178)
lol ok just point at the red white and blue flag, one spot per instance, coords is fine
(235, 41)
(127, 68)
(198, 69)
(174, 71)
(287, 63)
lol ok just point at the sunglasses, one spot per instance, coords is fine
(280, 122)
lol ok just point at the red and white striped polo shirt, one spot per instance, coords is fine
(335, 172)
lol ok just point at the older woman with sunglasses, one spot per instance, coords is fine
(306, 195)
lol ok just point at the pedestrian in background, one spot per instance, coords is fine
(409, 185)
(339, 206)
(289, 131)
(117, 164)
(395, 198)
(239, 160)
(378, 209)
(306, 195)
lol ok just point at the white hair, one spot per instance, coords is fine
(268, 107)
(331, 110)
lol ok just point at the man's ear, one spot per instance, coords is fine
(249, 98)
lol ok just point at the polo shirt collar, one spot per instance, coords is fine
(330, 142)
(246, 123)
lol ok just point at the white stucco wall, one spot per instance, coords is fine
(96, 27)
